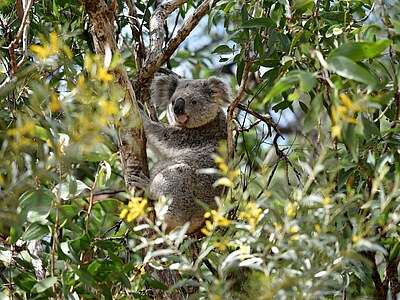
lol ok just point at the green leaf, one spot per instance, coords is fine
(313, 115)
(350, 138)
(42, 133)
(345, 67)
(70, 188)
(302, 3)
(35, 232)
(370, 128)
(358, 51)
(223, 49)
(394, 252)
(154, 282)
(305, 80)
(36, 205)
(258, 22)
(100, 152)
(44, 284)
(15, 234)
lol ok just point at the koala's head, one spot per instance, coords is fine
(190, 103)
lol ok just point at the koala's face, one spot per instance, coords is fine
(190, 103)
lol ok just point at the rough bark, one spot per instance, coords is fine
(132, 140)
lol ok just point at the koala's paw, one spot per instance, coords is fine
(140, 181)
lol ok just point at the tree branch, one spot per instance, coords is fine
(160, 57)
(22, 32)
(157, 26)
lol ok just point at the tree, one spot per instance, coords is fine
(312, 161)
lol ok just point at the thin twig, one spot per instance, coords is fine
(239, 96)
(266, 119)
(22, 31)
(139, 49)
(91, 199)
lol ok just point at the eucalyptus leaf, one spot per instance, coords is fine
(357, 51)
(44, 284)
(36, 205)
(345, 67)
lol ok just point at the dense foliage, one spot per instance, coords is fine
(314, 205)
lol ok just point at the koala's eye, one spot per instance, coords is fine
(173, 102)
(194, 102)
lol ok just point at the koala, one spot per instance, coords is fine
(197, 124)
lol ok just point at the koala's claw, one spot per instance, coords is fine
(140, 181)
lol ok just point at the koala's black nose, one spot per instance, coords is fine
(179, 106)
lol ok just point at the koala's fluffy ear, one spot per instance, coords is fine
(219, 90)
(163, 88)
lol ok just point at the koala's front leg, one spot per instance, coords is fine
(162, 138)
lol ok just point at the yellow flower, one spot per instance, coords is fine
(355, 239)
(230, 174)
(294, 229)
(326, 201)
(336, 131)
(334, 115)
(252, 214)
(346, 100)
(291, 211)
(222, 245)
(224, 181)
(136, 208)
(48, 49)
(217, 220)
(244, 249)
(277, 226)
(317, 228)
(103, 75)
(55, 103)
(88, 63)
(342, 110)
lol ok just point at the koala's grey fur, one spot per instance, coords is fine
(197, 124)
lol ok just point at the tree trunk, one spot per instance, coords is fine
(132, 139)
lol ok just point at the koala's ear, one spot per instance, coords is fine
(163, 87)
(220, 91)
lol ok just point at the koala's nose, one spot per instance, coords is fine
(179, 106)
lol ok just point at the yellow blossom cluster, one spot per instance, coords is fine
(95, 67)
(228, 175)
(223, 244)
(22, 136)
(137, 207)
(345, 112)
(213, 220)
(251, 213)
(51, 48)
